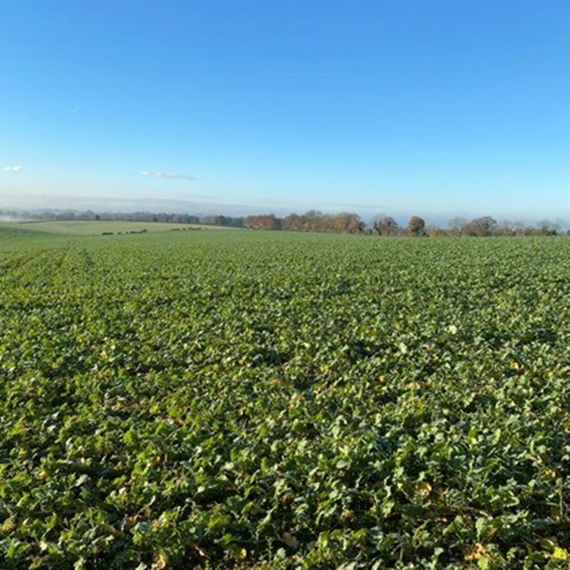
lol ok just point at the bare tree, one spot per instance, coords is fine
(504, 228)
(548, 228)
(480, 227)
(386, 225)
(456, 226)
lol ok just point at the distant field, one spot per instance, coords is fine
(266, 400)
(95, 228)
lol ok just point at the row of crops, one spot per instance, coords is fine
(279, 401)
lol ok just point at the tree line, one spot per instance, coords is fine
(313, 221)
(385, 225)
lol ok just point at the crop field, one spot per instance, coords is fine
(107, 227)
(267, 400)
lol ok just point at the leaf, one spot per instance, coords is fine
(290, 540)
(81, 480)
(560, 554)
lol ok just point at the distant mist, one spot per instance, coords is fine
(13, 219)
(34, 203)
(44, 202)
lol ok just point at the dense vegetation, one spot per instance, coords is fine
(277, 400)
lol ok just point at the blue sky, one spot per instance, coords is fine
(430, 107)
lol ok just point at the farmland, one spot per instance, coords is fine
(234, 399)
(107, 227)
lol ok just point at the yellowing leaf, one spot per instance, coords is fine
(423, 489)
(160, 562)
(475, 552)
(8, 525)
(560, 554)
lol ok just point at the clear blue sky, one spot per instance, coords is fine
(435, 107)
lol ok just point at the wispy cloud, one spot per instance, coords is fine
(13, 168)
(167, 175)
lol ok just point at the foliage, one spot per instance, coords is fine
(417, 226)
(278, 400)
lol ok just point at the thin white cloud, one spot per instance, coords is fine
(167, 175)
(13, 168)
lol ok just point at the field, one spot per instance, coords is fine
(258, 400)
(100, 227)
